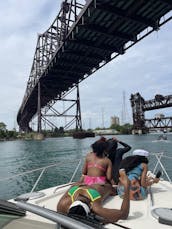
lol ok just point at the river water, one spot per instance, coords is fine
(17, 157)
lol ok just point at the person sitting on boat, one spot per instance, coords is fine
(97, 168)
(82, 200)
(136, 167)
(115, 154)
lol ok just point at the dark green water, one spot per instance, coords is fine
(20, 156)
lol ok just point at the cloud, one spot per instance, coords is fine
(21, 21)
(145, 68)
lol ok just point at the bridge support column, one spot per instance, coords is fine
(73, 106)
(39, 108)
(137, 104)
(78, 112)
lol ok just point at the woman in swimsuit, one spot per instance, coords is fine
(97, 168)
(82, 199)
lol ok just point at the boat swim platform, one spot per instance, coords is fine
(140, 214)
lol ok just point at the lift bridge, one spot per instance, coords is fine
(84, 37)
(140, 106)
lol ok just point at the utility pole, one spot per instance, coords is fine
(103, 126)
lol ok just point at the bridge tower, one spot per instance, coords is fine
(137, 104)
(140, 106)
(124, 113)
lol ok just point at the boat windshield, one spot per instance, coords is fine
(6, 219)
(13, 222)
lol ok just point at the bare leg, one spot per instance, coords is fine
(126, 202)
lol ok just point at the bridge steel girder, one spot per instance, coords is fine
(159, 123)
(163, 102)
(125, 15)
(73, 118)
(92, 35)
(140, 106)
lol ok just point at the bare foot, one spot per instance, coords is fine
(123, 178)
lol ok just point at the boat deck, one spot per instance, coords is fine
(140, 214)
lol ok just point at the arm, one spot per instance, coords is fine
(151, 180)
(117, 154)
(144, 175)
(109, 172)
(122, 151)
(145, 180)
(84, 170)
(126, 146)
(114, 215)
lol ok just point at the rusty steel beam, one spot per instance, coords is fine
(159, 123)
(157, 103)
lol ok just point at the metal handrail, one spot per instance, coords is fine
(73, 175)
(42, 169)
(158, 156)
(53, 216)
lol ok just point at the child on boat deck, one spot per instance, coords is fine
(136, 168)
(97, 168)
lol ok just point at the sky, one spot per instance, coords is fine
(145, 68)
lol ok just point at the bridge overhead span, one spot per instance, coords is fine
(139, 106)
(82, 39)
(158, 102)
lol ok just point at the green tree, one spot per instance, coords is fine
(116, 127)
(11, 134)
(2, 126)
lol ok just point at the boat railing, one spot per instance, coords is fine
(159, 163)
(42, 170)
(59, 219)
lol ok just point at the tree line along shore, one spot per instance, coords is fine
(6, 134)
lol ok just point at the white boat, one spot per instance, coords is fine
(39, 208)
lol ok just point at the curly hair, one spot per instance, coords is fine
(131, 162)
(99, 148)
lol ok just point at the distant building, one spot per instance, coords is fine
(105, 132)
(114, 120)
(159, 115)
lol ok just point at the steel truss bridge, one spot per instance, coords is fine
(84, 37)
(140, 106)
